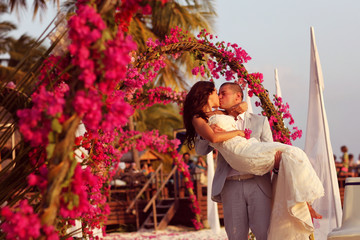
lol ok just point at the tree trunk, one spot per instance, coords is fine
(135, 152)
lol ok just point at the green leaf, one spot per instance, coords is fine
(56, 125)
(71, 171)
(70, 205)
(76, 200)
(51, 137)
(50, 150)
(66, 197)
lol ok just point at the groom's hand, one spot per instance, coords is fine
(216, 128)
(237, 109)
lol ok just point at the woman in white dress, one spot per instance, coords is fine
(297, 183)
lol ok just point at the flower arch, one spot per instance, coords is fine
(227, 60)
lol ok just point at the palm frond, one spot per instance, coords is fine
(17, 4)
(6, 27)
(140, 33)
(191, 16)
(69, 6)
(165, 118)
(3, 7)
(39, 5)
(14, 185)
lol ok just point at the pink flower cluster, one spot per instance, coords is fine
(137, 78)
(247, 133)
(145, 98)
(22, 223)
(255, 83)
(102, 71)
(283, 111)
(200, 69)
(283, 108)
(52, 71)
(230, 52)
(35, 122)
(89, 106)
(39, 178)
(85, 29)
(129, 8)
(103, 156)
(176, 35)
(115, 61)
(74, 203)
(102, 112)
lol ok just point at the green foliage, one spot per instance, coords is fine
(165, 118)
(192, 16)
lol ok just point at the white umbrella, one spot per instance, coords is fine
(212, 207)
(319, 150)
(277, 84)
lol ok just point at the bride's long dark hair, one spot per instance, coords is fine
(195, 100)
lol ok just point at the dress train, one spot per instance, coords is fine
(297, 183)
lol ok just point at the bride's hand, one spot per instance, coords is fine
(216, 128)
(238, 109)
(241, 133)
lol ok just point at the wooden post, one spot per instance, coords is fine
(154, 215)
(175, 176)
(137, 215)
(161, 181)
(198, 189)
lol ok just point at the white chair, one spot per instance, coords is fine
(350, 229)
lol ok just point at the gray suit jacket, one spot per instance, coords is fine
(260, 130)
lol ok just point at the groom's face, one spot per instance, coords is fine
(228, 97)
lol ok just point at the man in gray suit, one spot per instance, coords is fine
(246, 198)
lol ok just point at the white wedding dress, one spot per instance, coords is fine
(297, 183)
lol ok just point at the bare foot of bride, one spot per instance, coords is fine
(313, 213)
(277, 159)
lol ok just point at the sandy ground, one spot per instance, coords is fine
(171, 232)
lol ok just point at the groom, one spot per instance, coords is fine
(246, 198)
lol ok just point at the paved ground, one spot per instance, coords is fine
(171, 232)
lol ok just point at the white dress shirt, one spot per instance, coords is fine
(240, 125)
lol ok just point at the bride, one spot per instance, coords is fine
(297, 183)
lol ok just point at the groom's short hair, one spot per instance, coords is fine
(235, 87)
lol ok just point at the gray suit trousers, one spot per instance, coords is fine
(245, 205)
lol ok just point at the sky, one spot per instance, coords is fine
(276, 34)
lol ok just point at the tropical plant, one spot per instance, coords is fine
(192, 16)
(39, 6)
(25, 49)
(164, 118)
(5, 28)
(19, 48)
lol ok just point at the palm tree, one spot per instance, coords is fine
(165, 118)
(5, 28)
(192, 17)
(38, 5)
(18, 48)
